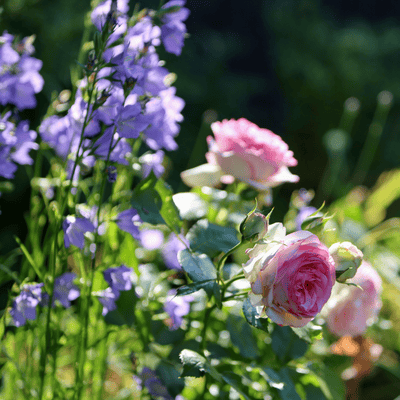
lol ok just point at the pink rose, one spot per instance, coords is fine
(291, 276)
(350, 310)
(251, 154)
(244, 151)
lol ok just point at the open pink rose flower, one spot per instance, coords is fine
(246, 152)
(291, 276)
(351, 310)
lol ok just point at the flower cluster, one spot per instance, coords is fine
(16, 141)
(126, 92)
(119, 279)
(32, 295)
(19, 72)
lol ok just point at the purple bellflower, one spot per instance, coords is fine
(129, 221)
(149, 379)
(152, 162)
(74, 230)
(119, 279)
(170, 251)
(64, 289)
(177, 307)
(15, 145)
(173, 29)
(24, 305)
(19, 73)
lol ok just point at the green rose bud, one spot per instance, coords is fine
(347, 259)
(254, 227)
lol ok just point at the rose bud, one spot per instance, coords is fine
(254, 227)
(347, 258)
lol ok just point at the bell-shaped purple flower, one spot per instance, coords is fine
(170, 251)
(119, 278)
(64, 289)
(24, 305)
(177, 307)
(129, 221)
(74, 230)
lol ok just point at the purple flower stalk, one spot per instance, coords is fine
(24, 305)
(74, 230)
(177, 307)
(64, 289)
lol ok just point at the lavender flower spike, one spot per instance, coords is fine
(64, 289)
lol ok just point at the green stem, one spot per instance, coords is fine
(373, 137)
(225, 256)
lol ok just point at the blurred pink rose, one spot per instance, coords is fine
(350, 310)
(291, 276)
(251, 154)
(244, 151)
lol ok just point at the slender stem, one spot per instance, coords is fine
(225, 256)
(82, 360)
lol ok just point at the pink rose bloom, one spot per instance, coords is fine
(291, 276)
(251, 154)
(244, 151)
(350, 310)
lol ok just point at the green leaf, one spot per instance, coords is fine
(196, 365)
(152, 199)
(242, 336)
(199, 267)
(124, 314)
(250, 314)
(211, 239)
(170, 377)
(330, 382)
(190, 205)
(196, 286)
(168, 211)
(287, 391)
(163, 335)
(286, 344)
(147, 201)
(236, 382)
(309, 332)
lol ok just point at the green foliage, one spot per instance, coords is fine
(242, 336)
(250, 313)
(286, 344)
(211, 239)
(152, 199)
